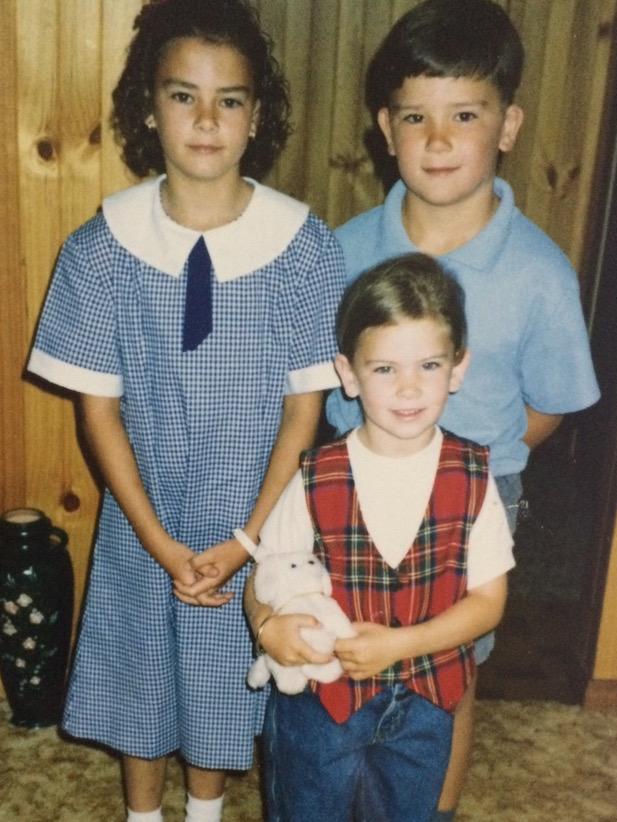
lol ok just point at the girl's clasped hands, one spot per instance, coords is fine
(199, 577)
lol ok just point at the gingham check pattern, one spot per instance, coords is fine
(431, 577)
(152, 675)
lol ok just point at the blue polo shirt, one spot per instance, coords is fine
(526, 331)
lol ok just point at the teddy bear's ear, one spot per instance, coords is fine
(326, 583)
(266, 580)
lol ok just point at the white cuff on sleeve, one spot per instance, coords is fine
(74, 377)
(314, 378)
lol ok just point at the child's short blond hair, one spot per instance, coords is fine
(414, 286)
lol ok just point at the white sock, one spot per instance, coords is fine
(203, 810)
(145, 816)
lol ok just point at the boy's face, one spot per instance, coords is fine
(402, 374)
(446, 133)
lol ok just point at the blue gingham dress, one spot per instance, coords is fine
(151, 674)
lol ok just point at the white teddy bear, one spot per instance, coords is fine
(296, 582)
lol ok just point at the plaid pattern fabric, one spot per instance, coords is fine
(431, 577)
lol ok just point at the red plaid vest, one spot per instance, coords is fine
(431, 577)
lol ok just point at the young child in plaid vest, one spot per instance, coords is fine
(408, 521)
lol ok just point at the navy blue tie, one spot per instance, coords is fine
(198, 303)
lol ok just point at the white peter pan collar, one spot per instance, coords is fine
(263, 231)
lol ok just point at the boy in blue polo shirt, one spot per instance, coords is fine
(441, 89)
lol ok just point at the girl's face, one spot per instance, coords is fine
(204, 110)
(402, 374)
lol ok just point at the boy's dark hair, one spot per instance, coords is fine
(228, 22)
(447, 38)
(411, 287)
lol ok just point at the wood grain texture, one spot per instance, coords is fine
(606, 649)
(59, 63)
(321, 102)
(13, 330)
(116, 33)
(59, 116)
(41, 232)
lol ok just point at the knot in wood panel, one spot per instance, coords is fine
(71, 502)
(95, 135)
(348, 163)
(46, 149)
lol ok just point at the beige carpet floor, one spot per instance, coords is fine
(533, 762)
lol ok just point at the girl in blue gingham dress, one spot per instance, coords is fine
(195, 403)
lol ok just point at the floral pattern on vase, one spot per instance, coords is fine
(36, 607)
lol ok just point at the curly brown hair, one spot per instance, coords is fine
(229, 22)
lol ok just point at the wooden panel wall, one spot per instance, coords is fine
(606, 660)
(60, 60)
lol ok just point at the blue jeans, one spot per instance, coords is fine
(510, 489)
(385, 764)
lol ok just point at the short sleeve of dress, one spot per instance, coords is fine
(76, 341)
(314, 345)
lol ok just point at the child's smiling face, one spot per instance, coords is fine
(402, 373)
(204, 109)
(446, 133)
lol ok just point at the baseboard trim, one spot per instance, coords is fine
(601, 693)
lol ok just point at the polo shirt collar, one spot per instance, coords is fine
(261, 233)
(481, 252)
